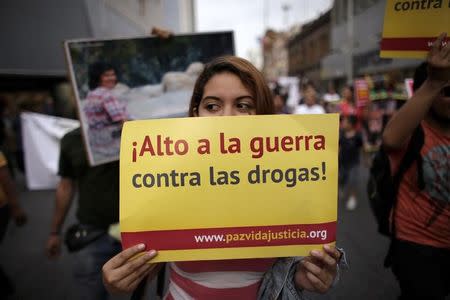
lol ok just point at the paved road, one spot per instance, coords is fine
(22, 254)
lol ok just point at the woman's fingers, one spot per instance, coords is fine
(122, 271)
(149, 273)
(134, 264)
(439, 53)
(121, 258)
(434, 50)
(136, 282)
(311, 267)
(319, 269)
(445, 51)
(144, 270)
(324, 257)
(439, 49)
(138, 273)
(318, 285)
(333, 252)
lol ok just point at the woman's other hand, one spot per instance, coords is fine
(439, 61)
(316, 272)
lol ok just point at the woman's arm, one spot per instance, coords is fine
(403, 123)
(7, 183)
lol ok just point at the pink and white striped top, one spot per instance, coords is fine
(219, 279)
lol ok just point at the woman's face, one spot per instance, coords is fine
(225, 95)
(347, 94)
(108, 79)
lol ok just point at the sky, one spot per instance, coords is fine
(250, 18)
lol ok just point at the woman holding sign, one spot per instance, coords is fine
(228, 86)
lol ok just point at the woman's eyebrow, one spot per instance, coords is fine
(212, 98)
(219, 99)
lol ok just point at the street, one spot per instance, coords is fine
(23, 258)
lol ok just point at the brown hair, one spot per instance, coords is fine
(251, 78)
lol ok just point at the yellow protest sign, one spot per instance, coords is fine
(410, 27)
(229, 187)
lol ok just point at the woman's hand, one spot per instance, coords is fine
(162, 33)
(53, 247)
(439, 60)
(19, 215)
(122, 273)
(316, 272)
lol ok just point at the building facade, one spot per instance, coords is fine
(275, 55)
(307, 48)
(355, 42)
(33, 31)
(32, 57)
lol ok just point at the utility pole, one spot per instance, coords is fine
(286, 8)
(350, 41)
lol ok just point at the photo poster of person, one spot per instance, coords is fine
(117, 80)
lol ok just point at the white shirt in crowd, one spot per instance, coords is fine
(304, 109)
(331, 97)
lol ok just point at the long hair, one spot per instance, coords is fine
(95, 72)
(251, 78)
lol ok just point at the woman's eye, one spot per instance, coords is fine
(211, 106)
(245, 106)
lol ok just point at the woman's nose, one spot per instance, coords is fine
(228, 111)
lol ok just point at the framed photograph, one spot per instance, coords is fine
(118, 80)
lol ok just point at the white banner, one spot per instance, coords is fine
(41, 135)
(291, 83)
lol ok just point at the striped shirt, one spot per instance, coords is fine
(102, 109)
(219, 279)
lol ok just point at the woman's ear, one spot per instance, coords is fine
(195, 111)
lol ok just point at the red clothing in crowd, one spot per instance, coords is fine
(423, 217)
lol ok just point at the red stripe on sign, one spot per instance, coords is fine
(408, 44)
(257, 236)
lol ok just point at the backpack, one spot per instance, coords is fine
(382, 187)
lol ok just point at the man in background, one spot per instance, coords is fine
(98, 207)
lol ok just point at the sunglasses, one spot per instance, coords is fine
(446, 91)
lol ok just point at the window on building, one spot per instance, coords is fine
(338, 13)
(344, 10)
(323, 44)
(312, 53)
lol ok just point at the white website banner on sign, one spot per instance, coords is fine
(41, 135)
